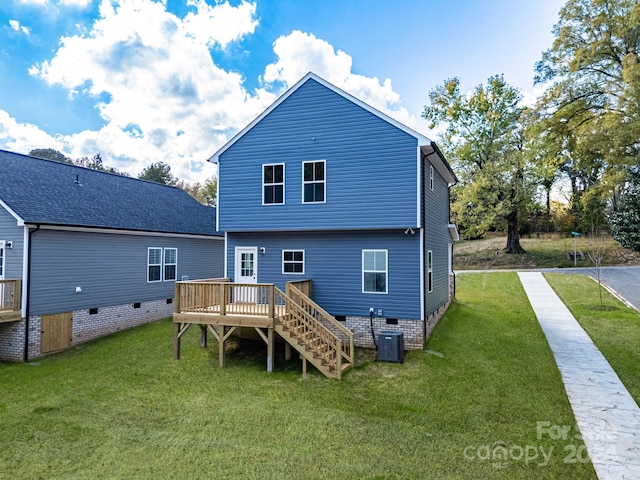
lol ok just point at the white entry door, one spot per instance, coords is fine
(246, 265)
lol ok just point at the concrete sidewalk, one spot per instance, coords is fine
(607, 416)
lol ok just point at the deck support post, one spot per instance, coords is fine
(203, 336)
(304, 367)
(270, 345)
(176, 341)
(221, 340)
(287, 351)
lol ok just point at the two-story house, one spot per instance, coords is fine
(322, 186)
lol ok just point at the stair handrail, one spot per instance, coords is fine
(348, 347)
(320, 331)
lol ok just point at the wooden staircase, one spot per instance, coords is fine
(316, 335)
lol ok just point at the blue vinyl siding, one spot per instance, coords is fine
(334, 262)
(371, 168)
(111, 269)
(10, 232)
(437, 238)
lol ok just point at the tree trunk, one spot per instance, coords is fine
(513, 237)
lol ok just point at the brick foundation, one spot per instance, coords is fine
(86, 326)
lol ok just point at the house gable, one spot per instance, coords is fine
(370, 163)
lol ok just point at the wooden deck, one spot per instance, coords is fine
(220, 307)
(10, 298)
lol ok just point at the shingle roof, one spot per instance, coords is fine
(51, 193)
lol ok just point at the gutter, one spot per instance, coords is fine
(26, 310)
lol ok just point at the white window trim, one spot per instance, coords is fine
(430, 270)
(149, 264)
(386, 270)
(164, 264)
(431, 177)
(304, 261)
(283, 184)
(324, 181)
(3, 267)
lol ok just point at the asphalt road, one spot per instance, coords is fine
(625, 281)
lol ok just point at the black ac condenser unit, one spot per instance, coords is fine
(391, 347)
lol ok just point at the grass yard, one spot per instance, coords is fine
(545, 251)
(467, 407)
(612, 326)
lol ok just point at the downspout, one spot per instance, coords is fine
(26, 310)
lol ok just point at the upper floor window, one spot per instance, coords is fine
(293, 261)
(273, 184)
(374, 271)
(313, 182)
(431, 177)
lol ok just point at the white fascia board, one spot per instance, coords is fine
(124, 232)
(19, 219)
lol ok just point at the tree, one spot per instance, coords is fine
(484, 138)
(50, 154)
(625, 222)
(96, 163)
(591, 108)
(159, 172)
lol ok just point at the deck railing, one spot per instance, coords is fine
(219, 296)
(10, 295)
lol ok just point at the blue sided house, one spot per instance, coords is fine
(85, 253)
(323, 187)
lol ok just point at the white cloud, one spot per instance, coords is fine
(34, 2)
(163, 98)
(74, 3)
(167, 100)
(299, 53)
(24, 137)
(15, 25)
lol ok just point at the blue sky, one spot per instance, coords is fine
(141, 81)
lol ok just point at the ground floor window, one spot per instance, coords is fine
(430, 270)
(162, 264)
(374, 271)
(293, 261)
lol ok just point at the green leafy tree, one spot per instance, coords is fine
(625, 221)
(159, 172)
(205, 194)
(591, 108)
(483, 136)
(50, 154)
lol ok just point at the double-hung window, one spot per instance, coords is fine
(170, 263)
(162, 264)
(431, 177)
(273, 184)
(313, 182)
(293, 261)
(430, 270)
(374, 271)
(154, 265)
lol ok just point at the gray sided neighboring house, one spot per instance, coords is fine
(94, 252)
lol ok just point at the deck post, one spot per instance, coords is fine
(304, 367)
(176, 341)
(270, 345)
(221, 340)
(203, 336)
(287, 351)
(224, 298)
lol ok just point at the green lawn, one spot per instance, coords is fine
(121, 407)
(613, 327)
